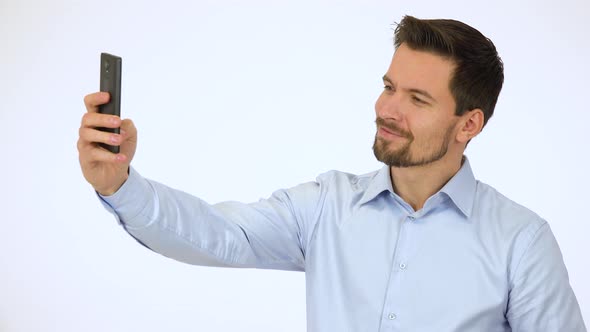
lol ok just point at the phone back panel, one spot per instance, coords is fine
(110, 81)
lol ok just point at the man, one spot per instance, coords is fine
(419, 245)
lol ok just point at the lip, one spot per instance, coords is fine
(387, 133)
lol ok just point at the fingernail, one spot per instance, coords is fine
(114, 139)
(120, 157)
(123, 132)
(115, 120)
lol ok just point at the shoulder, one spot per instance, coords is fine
(495, 206)
(509, 226)
(506, 221)
(343, 180)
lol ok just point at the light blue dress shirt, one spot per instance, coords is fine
(469, 260)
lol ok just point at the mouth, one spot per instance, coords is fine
(388, 133)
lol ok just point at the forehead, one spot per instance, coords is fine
(412, 69)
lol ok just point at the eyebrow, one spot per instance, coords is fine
(414, 90)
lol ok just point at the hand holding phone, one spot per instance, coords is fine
(105, 166)
(110, 81)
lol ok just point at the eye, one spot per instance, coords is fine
(418, 100)
(388, 87)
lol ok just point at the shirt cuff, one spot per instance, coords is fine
(130, 202)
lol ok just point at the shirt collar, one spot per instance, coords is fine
(460, 188)
(380, 182)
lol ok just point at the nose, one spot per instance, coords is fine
(388, 106)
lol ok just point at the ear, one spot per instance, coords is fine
(471, 124)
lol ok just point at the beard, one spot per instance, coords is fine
(404, 155)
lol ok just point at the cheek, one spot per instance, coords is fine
(379, 104)
(423, 128)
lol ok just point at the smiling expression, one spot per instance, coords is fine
(415, 113)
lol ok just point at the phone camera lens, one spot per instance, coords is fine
(107, 66)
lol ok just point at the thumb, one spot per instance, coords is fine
(128, 129)
(129, 144)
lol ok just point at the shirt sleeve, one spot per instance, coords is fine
(541, 298)
(272, 233)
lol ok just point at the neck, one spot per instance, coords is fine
(416, 184)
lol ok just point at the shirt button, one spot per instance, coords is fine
(402, 266)
(392, 316)
(411, 217)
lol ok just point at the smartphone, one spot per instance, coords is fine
(110, 81)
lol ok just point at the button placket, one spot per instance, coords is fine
(402, 265)
(390, 318)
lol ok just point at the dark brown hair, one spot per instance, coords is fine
(479, 71)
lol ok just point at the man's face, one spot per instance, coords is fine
(416, 121)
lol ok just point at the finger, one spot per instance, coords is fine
(92, 120)
(93, 100)
(88, 136)
(128, 128)
(99, 154)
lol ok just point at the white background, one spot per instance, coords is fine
(233, 100)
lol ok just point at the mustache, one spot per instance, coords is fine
(391, 126)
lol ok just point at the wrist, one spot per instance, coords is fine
(112, 190)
